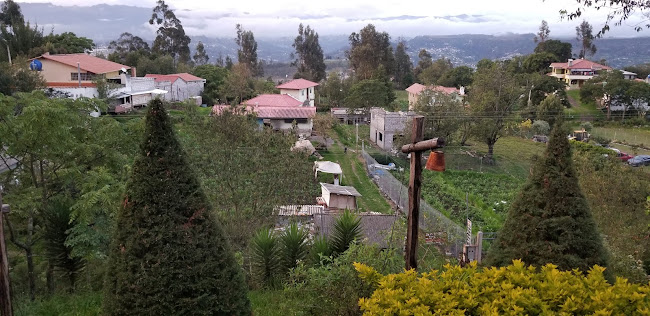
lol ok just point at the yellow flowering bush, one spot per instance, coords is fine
(511, 290)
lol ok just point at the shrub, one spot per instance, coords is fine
(587, 126)
(320, 249)
(265, 257)
(335, 288)
(294, 246)
(511, 290)
(346, 230)
(541, 127)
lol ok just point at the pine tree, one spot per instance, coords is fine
(169, 255)
(550, 220)
(403, 67)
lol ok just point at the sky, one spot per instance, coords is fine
(397, 17)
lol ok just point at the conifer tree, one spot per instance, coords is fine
(550, 220)
(169, 255)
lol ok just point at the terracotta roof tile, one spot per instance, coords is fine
(173, 77)
(271, 112)
(275, 100)
(86, 62)
(417, 88)
(297, 84)
(581, 64)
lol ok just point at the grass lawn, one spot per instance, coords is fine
(581, 110)
(628, 135)
(401, 95)
(78, 304)
(354, 170)
(273, 303)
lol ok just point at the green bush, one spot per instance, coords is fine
(346, 230)
(511, 290)
(265, 257)
(334, 288)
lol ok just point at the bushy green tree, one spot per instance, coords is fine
(550, 110)
(556, 47)
(200, 56)
(433, 73)
(169, 254)
(550, 220)
(309, 55)
(460, 76)
(170, 35)
(403, 67)
(247, 51)
(215, 77)
(368, 50)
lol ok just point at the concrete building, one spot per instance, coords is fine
(300, 89)
(180, 86)
(385, 125)
(339, 197)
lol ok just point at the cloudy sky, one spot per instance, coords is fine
(398, 17)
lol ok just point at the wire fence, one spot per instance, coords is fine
(437, 227)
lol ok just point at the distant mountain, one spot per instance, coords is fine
(104, 23)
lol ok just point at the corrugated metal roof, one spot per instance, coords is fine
(340, 190)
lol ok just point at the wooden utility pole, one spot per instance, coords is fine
(415, 149)
(5, 290)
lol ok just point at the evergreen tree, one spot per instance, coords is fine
(170, 37)
(550, 220)
(585, 36)
(403, 67)
(425, 61)
(558, 48)
(200, 56)
(247, 52)
(309, 61)
(169, 255)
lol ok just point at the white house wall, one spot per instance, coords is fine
(75, 93)
(180, 90)
(303, 128)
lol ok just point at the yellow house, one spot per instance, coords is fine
(76, 70)
(575, 72)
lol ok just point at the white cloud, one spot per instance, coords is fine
(281, 17)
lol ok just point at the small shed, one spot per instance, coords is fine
(339, 197)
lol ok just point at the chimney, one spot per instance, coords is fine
(133, 72)
(570, 63)
(47, 54)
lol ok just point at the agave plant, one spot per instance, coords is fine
(320, 248)
(265, 256)
(347, 229)
(294, 246)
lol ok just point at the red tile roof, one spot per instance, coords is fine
(70, 84)
(173, 77)
(581, 64)
(417, 88)
(297, 84)
(275, 100)
(272, 112)
(86, 62)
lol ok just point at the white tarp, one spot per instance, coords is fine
(327, 167)
(304, 145)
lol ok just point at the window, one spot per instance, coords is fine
(298, 121)
(84, 76)
(302, 92)
(381, 137)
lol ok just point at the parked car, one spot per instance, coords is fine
(640, 160)
(540, 139)
(621, 155)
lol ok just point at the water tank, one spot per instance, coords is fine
(36, 65)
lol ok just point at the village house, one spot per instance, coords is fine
(575, 72)
(350, 117)
(339, 197)
(181, 87)
(74, 75)
(300, 89)
(416, 89)
(385, 125)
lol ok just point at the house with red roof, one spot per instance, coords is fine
(180, 86)
(415, 92)
(277, 111)
(74, 75)
(300, 89)
(575, 72)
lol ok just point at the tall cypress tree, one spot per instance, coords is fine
(550, 220)
(169, 255)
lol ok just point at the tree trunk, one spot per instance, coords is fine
(30, 274)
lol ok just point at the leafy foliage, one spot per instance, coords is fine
(584, 35)
(168, 253)
(309, 59)
(403, 67)
(266, 257)
(346, 230)
(515, 289)
(170, 36)
(247, 51)
(320, 248)
(550, 220)
(368, 50)
(294, 245)
(556, 47)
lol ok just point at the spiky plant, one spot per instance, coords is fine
(294, 246)
(265, 256)
(346, 230)
(320, 248)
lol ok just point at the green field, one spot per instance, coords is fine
(639, 136)
(580, 110)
